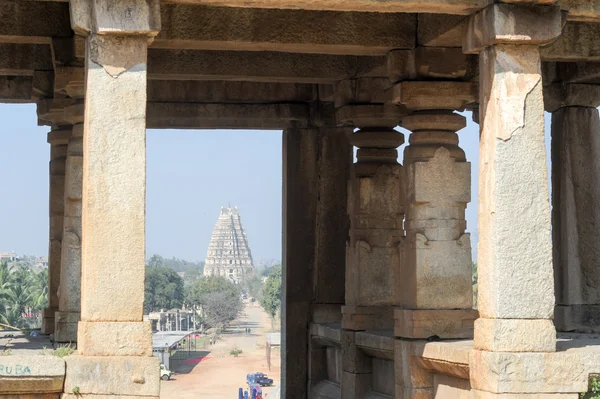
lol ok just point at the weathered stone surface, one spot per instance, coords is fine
(559, 95)
(489, 395)
(335, 160)
(515, 259)
(27, 374)
(581, 10)
(261, 66)
(362, 90)
(409, 373)
(576, 222)
(435, 95)
(540, 373)
(250, 29)
(578, 41)
(33, 21)
(15, 88)
(114, 181)
(430, 63)
(206, 116)
(441, 30)
(115, 338)
(402, 6)
(580, 318)
(515, 335)
(359, 318)
(367, 115)
(355, 385)
(512, 24)
(300, 201)
(422, 324)
(113, 375)
(353, 359)
(128, 17)
(23, 59)
(450, 387)
(230, 92)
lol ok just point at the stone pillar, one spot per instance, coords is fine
(435, 296)
(68, 315)
(516, 285)
(575, 214)
(373, 254)
(114, 343)
(332, 223)
(300, 196)
(58, 139)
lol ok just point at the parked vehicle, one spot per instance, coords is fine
(165, 373)
(258, 379)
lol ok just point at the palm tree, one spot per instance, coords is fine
(5, 285)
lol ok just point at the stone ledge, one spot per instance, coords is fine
(21, 374)
(113, 375)
(445, 323)
(326, 334)
(367, 318)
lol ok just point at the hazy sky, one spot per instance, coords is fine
(191, 174)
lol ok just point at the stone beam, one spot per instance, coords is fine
(581, 10)
(261, 66)
(571, 72)
(23, 59)
(162, 115)
(192, 91)
(34, 22)
(579, 41)
(464, 7)
(15, 89)
(299, 31)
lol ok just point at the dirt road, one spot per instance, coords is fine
(214, 374)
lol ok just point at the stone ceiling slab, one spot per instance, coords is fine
(399, 6)
(260, 66)
(23, 21)
(324, 32)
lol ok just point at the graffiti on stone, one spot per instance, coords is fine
(17, 369)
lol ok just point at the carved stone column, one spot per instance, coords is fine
(516, 284)
(575, 214)
(435, 296)
(68, 315)
(113, 340)
(58, 139)
(374, 247)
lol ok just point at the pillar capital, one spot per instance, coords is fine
(121, 18)
(369, 115)
(441, 95)
(59, 136)
(502, 23)
(430, 63)
(561, 95)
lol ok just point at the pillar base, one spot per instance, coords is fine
(577, 318)
(445, 323)
(115, 376)
(360, 318)
(48, 321)
(66, 326)
(515, 335)
(115, 338)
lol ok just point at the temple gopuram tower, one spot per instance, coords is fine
(228, 253)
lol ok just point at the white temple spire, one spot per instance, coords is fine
(228, 253)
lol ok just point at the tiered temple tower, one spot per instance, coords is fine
(228, 253)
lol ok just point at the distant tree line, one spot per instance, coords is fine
(217, 300)
(23, 294)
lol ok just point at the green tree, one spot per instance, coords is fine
(23, 294)
(272, 294)
(219, 299)
(252, 284)
(163, 289)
